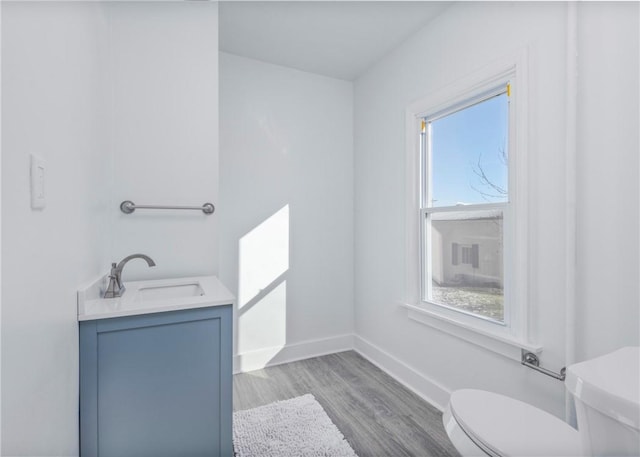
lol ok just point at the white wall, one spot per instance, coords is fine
(457, 42)
(286, 209)
(121, 100)
(53, 59)
(608, 144)
(0, 233)
(164, 134)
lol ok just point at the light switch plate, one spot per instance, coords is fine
(38, 168)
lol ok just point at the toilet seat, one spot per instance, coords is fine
(502, 426)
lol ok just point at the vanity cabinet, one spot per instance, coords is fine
(157, 384)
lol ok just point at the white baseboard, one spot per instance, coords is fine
(267, 357)
(420, 384)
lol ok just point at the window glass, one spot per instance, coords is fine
(469, 154)
(466, 261)
(466, 197)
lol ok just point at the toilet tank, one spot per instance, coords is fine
(607, 396)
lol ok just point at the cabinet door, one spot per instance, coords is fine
(163, 384)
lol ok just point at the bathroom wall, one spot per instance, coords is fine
(608, 143)
(286, 210)
(463, 39)
(120, 99)
(164, 131)
(0, 232)
(53, 84)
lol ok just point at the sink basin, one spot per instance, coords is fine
(152, 296)
(169, 292)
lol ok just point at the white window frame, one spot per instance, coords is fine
(508, 339)
(501, 87)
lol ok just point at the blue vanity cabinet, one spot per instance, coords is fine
(155, 385)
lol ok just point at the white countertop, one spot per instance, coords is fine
(91, 306)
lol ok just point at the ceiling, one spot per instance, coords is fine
(340, 39)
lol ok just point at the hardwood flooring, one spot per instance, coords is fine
(377, 415)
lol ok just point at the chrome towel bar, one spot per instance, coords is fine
(129, 207)
(529, 359)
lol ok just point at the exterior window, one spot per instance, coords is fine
(470, 254)
(465, 204)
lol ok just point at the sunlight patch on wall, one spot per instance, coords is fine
(262, 329)
(264, 256)
(262, 289)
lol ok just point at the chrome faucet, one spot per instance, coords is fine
(116, 288)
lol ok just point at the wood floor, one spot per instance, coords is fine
(377, 415)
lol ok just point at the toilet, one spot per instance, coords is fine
(606, 391)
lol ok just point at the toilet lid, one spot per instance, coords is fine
(503, 426)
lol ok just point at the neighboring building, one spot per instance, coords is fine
(467, 250)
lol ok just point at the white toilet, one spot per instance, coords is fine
(607, 396)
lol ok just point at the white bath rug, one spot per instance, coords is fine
(291, 428)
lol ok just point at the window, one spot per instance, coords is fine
(464, 152)
(467, 208)
(470, 254)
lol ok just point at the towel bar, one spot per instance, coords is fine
(129, 207)
(529, 359)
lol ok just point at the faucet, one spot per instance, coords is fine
(116, 288)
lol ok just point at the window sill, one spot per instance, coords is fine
(505, 345)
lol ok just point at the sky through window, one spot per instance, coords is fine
(469, 154)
